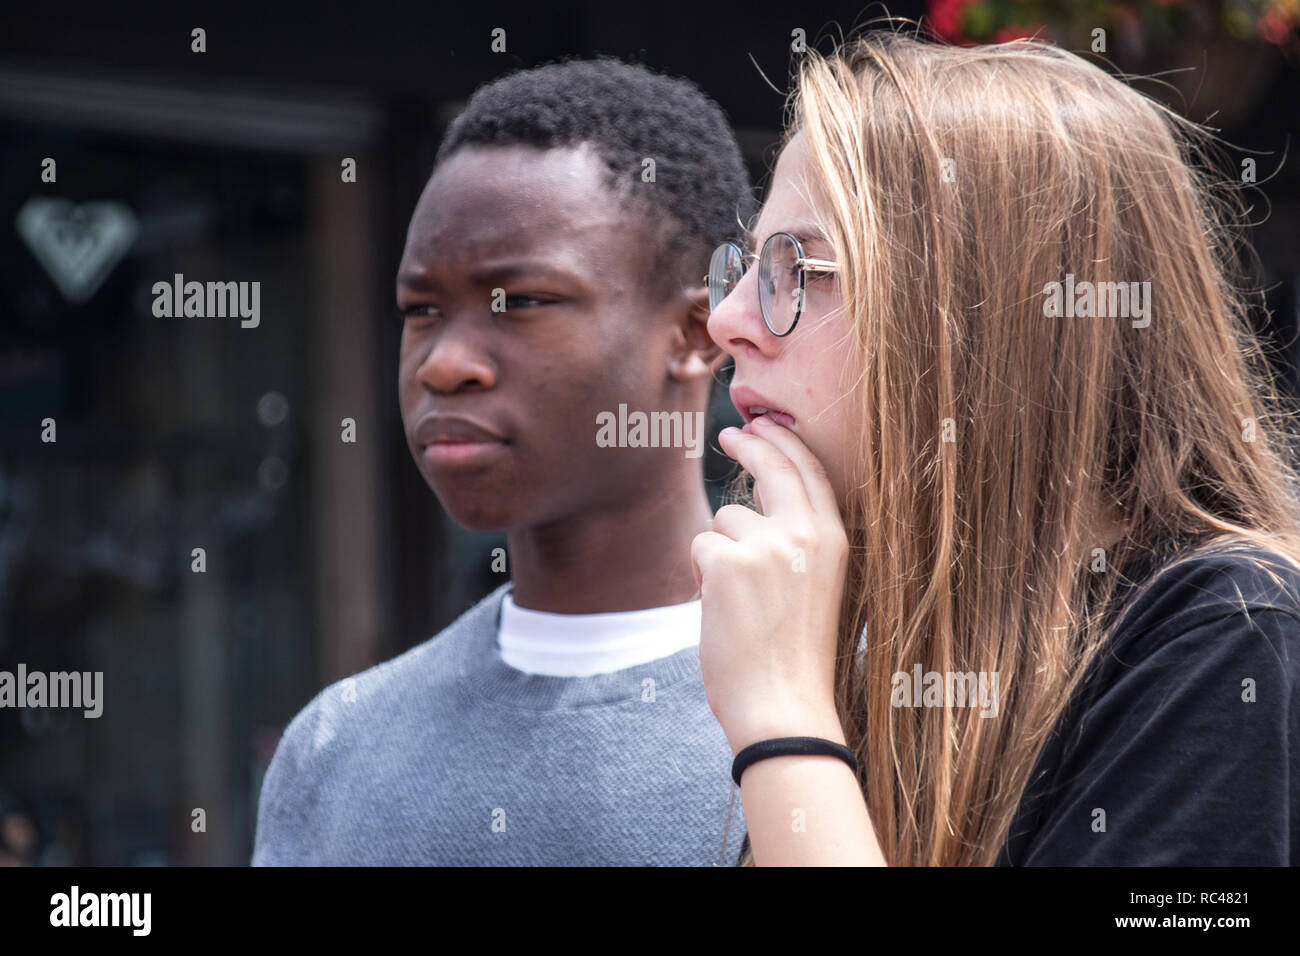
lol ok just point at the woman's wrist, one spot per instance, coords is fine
(824, 724)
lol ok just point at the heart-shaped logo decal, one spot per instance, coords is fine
(77, 244)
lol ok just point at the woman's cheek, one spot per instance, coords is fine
(832, 441)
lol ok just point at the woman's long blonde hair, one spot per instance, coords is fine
(955, 184)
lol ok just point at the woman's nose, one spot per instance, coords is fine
(737, 322)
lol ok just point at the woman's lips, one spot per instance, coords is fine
(752, 404)
(781, 418)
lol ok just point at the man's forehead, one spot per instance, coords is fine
(511, 210)
(524, 177)
(489, 236)
(482, 207)
(557, 240)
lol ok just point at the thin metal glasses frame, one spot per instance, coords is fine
(804, 263)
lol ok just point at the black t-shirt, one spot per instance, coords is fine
(1184, 740)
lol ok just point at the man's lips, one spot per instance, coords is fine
(453, 429)
(751, 404)
(449, 440)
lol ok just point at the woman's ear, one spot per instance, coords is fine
(694, 353)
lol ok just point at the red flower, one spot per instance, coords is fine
(946, 18)
(1274, 26)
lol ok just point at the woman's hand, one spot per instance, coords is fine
(770, 586)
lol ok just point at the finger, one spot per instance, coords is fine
(816, 482)
(779, 477)
(737, 521)
(706, 548)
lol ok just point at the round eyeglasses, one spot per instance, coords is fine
(781, 281)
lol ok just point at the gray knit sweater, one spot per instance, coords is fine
(448, 756)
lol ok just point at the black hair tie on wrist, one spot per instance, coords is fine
(790, 746)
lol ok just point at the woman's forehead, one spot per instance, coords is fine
(793, 191)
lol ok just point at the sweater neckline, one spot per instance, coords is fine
(483, 671)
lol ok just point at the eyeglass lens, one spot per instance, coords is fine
(778, 283)
(725, 271)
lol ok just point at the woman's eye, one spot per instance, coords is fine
(418, 312)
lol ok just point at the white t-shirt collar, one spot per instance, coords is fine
(581, 645)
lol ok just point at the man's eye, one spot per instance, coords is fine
(525, 302)
(418, 312)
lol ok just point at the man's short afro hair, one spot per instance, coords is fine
(627, 113)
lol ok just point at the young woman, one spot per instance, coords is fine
(1024, 538)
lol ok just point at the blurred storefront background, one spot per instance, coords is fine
(320, 557)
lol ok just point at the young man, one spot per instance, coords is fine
(552, 273)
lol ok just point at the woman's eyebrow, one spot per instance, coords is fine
(804, 233)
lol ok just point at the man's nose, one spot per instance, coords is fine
(456, 361)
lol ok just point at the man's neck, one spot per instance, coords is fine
(625, 559)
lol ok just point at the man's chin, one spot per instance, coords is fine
(477, 514)
(486, 524)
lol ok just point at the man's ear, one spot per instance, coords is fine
(694, 354)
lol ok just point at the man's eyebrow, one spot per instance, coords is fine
(490, 273)
(511, 269)
(415, 280)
